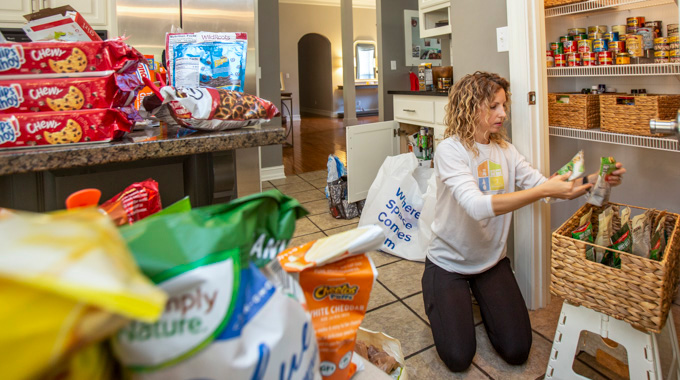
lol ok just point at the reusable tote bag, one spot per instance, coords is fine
(401, 201)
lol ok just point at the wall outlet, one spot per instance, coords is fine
(393, 65)
(502, 39)
(287, 75)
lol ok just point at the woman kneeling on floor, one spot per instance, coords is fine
(477, 171)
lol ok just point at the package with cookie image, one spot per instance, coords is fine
(68, 94)
(55, 59)
(210, 109)
(24, 130)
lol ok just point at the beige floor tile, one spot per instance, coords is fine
(319, 183)
(382, 258)
(266, 185)
(348, 227)
(327, 221)
(309, 176)
(402, 278)
(488, 359)
(304, 227)
(428, 366)
(287, 181)
(399, 322)
(379, 297)
(317, 207)
(309, 196)
(295, 188)
(544, 321)
(416, 303)
(300, 240)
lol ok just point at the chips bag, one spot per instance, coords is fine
(604, 232)
(67, 280)
(224, 318)
(585, 233)
(642, 234)
(622, 240)
(576, 166)
(135, 203)
(658, 240)
(599, 194)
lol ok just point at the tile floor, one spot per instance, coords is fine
(396, 304)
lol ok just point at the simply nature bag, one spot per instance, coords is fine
(401, 201)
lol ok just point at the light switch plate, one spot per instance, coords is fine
(502, 39)
(393, 65)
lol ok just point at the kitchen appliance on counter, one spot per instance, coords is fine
(442, 77)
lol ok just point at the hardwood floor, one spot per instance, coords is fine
(315, 138)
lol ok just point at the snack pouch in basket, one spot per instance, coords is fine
(337, 292)
(223, 318)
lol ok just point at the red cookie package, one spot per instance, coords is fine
(135, 203)
(68, 94)
(53, 128)
(59, 58)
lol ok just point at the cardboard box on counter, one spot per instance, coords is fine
(62, 23)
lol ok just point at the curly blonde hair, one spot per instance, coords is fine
(469, 100)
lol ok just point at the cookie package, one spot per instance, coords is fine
(68, 94)
(67, 59)
(52, 128)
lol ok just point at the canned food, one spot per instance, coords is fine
(617, 47)
(647, 37)
(589, 59)
(600, 45)
(671, 30)
(675, 53)
(585, 46)
(637, 22)
(620, 29)
(560, 60)
(662, 54)
(661, 43)
(602, 29)
(569, 47)
(623, 59)
(573, 59)
(662, 60)
(554, 45)
(566, 38)
(575, 31)
(656, 27)
(605, 58)
(550, 61)
(595, 36)
(634, 45)
(549, 53)
(580, 37)
(674, 42)
(674, 60)
(611, 37)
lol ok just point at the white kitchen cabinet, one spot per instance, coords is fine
(12, 12)
(369, 144)
(430, 16)
(100, 14)
(95, 12)
(429, 3)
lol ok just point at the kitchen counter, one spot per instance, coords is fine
(421, 93)
(131, 149)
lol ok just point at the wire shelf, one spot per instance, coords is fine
(659, 143)
(596, 5)
(615, 70)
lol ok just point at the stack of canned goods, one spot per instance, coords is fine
(598, 45)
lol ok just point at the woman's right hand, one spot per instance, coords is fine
(558, 187)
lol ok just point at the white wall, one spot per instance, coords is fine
(296, 20)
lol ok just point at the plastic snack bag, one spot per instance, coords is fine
(135, 203)
(585, 232)
(642, 231)
(219, 64)
(67, 280)
(387, 351)
(658, 239)
(224, 318)
(599, 194)
(622, 240)
(576, 166)
(604, 233)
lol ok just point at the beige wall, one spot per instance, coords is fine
(296, 20)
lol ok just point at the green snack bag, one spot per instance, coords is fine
(585, 233)
(575, 166)
(623, 239)
(182, 205)
(658, 241)
(599, 194)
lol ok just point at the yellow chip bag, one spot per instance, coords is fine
(67, 280)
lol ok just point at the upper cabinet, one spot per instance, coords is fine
(98, 13)
(434, 17)
(93, 11)
(12, 11)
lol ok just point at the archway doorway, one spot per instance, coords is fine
(315, 75)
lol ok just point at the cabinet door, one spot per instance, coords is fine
(367, 147)
(93, 11)
(13, 10)
(428, 3)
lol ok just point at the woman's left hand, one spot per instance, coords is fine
(615, 178)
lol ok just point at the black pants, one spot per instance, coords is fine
(449, 307)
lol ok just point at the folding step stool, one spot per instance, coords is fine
(644, 354)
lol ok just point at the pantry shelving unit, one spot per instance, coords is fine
(602, 5)
(615, 70)
(659, 143)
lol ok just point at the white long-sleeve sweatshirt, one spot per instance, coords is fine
(468, 237)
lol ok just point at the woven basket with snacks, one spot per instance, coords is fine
(631, 114)
(580, 111)
(640, 292)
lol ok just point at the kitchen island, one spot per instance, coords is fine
(210, 167)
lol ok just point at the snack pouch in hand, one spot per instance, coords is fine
(224, 318)
(599, 194)
(575, 166)
(67, 280)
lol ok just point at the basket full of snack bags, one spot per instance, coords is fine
(621, 265)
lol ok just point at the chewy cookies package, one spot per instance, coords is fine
(30, 129)
(68, 94)
(59, 59)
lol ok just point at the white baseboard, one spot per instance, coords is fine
(315, 111)
(272, 173)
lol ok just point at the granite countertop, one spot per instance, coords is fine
(138, 145)
(421, 93)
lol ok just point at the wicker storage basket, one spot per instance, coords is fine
(617, 116)
(640, 293)
(581, 112)
(557, 3)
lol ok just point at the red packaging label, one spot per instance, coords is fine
(54, 128)
(68, 94)
(56, 58)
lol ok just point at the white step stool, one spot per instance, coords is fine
(646, 351)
